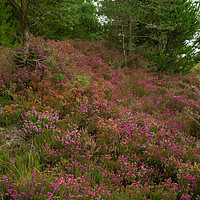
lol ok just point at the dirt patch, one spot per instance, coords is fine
(11, 133)
(1, 108)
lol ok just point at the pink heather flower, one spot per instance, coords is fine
(4, 135)
(42, 188)
(70, 195)
(4, 176)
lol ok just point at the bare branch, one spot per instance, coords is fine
(41, 18)
(27, 5)
(16, 5)
(153, 26)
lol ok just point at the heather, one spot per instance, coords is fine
(92, 129)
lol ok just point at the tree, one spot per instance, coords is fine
(87, 25)
(17, 10)
(157, 29)
(58, 19)
(7, 27)
(122, 17)
(163, 37)
(55, 19)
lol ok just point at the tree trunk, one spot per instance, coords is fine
(129, 36)
(123, 42)
(25, 30)
(22, 13)
(22, 10)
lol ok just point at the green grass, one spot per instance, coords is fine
(6, 100)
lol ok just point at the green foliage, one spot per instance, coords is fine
(61, 76)
(159, 31)
(61, 20)
(6, 99)
(170, 51)
(56, 20)
(83, 80)
(8, 26)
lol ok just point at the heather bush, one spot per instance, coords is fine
(35, 123)
(93, 130)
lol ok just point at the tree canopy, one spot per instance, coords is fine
(159, 30)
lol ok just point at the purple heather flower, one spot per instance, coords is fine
(4, 135)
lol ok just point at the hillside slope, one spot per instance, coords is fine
(93, 130)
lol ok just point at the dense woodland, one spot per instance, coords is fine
(99, 99)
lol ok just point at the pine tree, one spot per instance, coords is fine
(157, 29)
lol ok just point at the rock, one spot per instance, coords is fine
(13, 135)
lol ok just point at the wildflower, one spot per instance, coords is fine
(4, 135)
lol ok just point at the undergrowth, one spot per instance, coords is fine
(94, 130)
